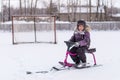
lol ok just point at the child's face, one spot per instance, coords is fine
(81, 28)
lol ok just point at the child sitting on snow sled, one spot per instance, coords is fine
(81, 37)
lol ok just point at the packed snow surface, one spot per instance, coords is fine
(15, 60)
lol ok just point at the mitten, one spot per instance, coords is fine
(76, 44)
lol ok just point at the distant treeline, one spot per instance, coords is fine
(31, 7)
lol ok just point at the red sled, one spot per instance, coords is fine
(70, 45)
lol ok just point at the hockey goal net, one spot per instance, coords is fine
(33, 29)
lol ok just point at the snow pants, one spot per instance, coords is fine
(80, 55)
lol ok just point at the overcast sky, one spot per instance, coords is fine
(15, 3)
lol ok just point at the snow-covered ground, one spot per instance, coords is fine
(15, 60)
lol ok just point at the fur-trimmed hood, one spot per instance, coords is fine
(87, 28)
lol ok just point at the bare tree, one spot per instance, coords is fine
(98, 5)
(31, 7)
(72, 6)
(50, 7)
(111, 9)
(74, 9)
(90, 15)
(25, 7)
(28, 6)
(68, 9)
(35, 6)
(59, 9)
(20, 7)
(101, 10)
(80, 8)
(106, 9)
(9, 11)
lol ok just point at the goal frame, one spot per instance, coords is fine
(34, 16)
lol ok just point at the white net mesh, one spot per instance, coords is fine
(33, 29)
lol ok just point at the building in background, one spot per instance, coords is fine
(82, 12)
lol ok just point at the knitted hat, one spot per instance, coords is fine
(81, 22)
